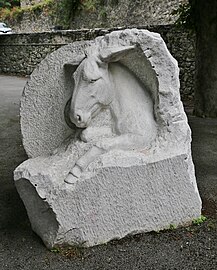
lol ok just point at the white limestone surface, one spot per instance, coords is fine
(122, 191)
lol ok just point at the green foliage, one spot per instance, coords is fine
(172, 227)
(8, 13)
(68, 251)
(15, 13)
(39, 6)
(62, 12)
(4, 13)
(67, 9)
(55, 250)
(4, 4)
(103, 14)
(9, 3)
(198, 221)
(186, 16)
(89, 5)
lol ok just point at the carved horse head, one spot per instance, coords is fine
(94, 88)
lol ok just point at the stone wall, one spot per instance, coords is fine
(97, 14)
(125, 13)
(32, 23)
(20, 53)
(25, 3)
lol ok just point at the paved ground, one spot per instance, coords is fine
(189, 248)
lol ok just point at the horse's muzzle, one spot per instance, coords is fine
(80, 119)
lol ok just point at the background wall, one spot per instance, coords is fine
(42, 15)
(25, 3)
(114, 13)
(32, 22)
(20, 53)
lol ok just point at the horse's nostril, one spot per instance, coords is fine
(78, 118)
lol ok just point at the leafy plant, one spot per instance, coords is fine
(16, 12)
(89, 5)
(61, 12)
(4, 13)
(172, 227)
(67, 9)
(55, 250)
(199, 221)
(9, 3)
(186, 16)
(68, 251)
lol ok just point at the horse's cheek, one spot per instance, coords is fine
(102, 97)
(105, 94)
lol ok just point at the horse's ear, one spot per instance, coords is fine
(114, 54)
(74, 63)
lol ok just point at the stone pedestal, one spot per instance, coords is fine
(113, 203)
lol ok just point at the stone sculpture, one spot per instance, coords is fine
(108, 141)
(98, 86)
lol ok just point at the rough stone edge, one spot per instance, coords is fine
(46, 210)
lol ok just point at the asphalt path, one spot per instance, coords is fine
(194, 247)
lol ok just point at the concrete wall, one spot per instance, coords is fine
(20, 53)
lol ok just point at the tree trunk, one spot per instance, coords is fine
(206, 58)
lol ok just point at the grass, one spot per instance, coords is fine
(199, 221)
(17, 12)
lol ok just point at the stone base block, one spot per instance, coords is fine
(111, 204)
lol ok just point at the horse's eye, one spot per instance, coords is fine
(93, 80)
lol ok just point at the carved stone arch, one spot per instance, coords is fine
(48, 90)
